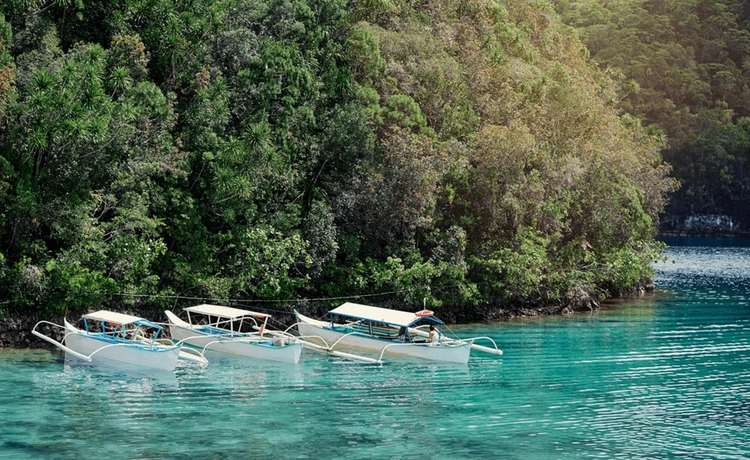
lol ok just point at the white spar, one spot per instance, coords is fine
(494, 351)
(325, 349)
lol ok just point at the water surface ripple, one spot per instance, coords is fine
(664, 376)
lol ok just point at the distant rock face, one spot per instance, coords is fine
(709, 223)
(704, 225)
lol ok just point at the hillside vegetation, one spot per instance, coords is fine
(687, 67)
(464, 152)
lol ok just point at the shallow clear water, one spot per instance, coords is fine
(663, 376)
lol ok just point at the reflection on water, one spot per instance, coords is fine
(711, 242)
(661, 376)
(705, 267)
(148, 379)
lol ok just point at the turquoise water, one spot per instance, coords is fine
(658, 377)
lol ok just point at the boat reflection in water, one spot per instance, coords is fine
(131, 379)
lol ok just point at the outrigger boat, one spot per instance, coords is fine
(119, 339)
(387, 331)
(222, 331)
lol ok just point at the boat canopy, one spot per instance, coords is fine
(112, 317)
(225, 312)
(382, 315)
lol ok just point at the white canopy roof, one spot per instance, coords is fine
(224, 312)
(380, 315)
(112, 317)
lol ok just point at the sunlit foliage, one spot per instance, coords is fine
(684, 70)
(456, 152)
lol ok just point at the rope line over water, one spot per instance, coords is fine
(250, 303)
(246, 302)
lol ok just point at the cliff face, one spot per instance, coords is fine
(703, 225)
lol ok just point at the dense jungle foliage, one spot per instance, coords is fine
(685, 68)
(461, 151)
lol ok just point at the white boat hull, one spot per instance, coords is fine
(454, 352)
(131, 355)
(245, 345)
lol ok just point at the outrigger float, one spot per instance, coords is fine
(220, 329)
(387, 331)
(119, 339)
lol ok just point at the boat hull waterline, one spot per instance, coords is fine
(132, 355)
(453, 352)
(243, 345)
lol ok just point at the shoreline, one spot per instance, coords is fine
(15, 331)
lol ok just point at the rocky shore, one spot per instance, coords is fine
(15, 329)
(16, 333)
